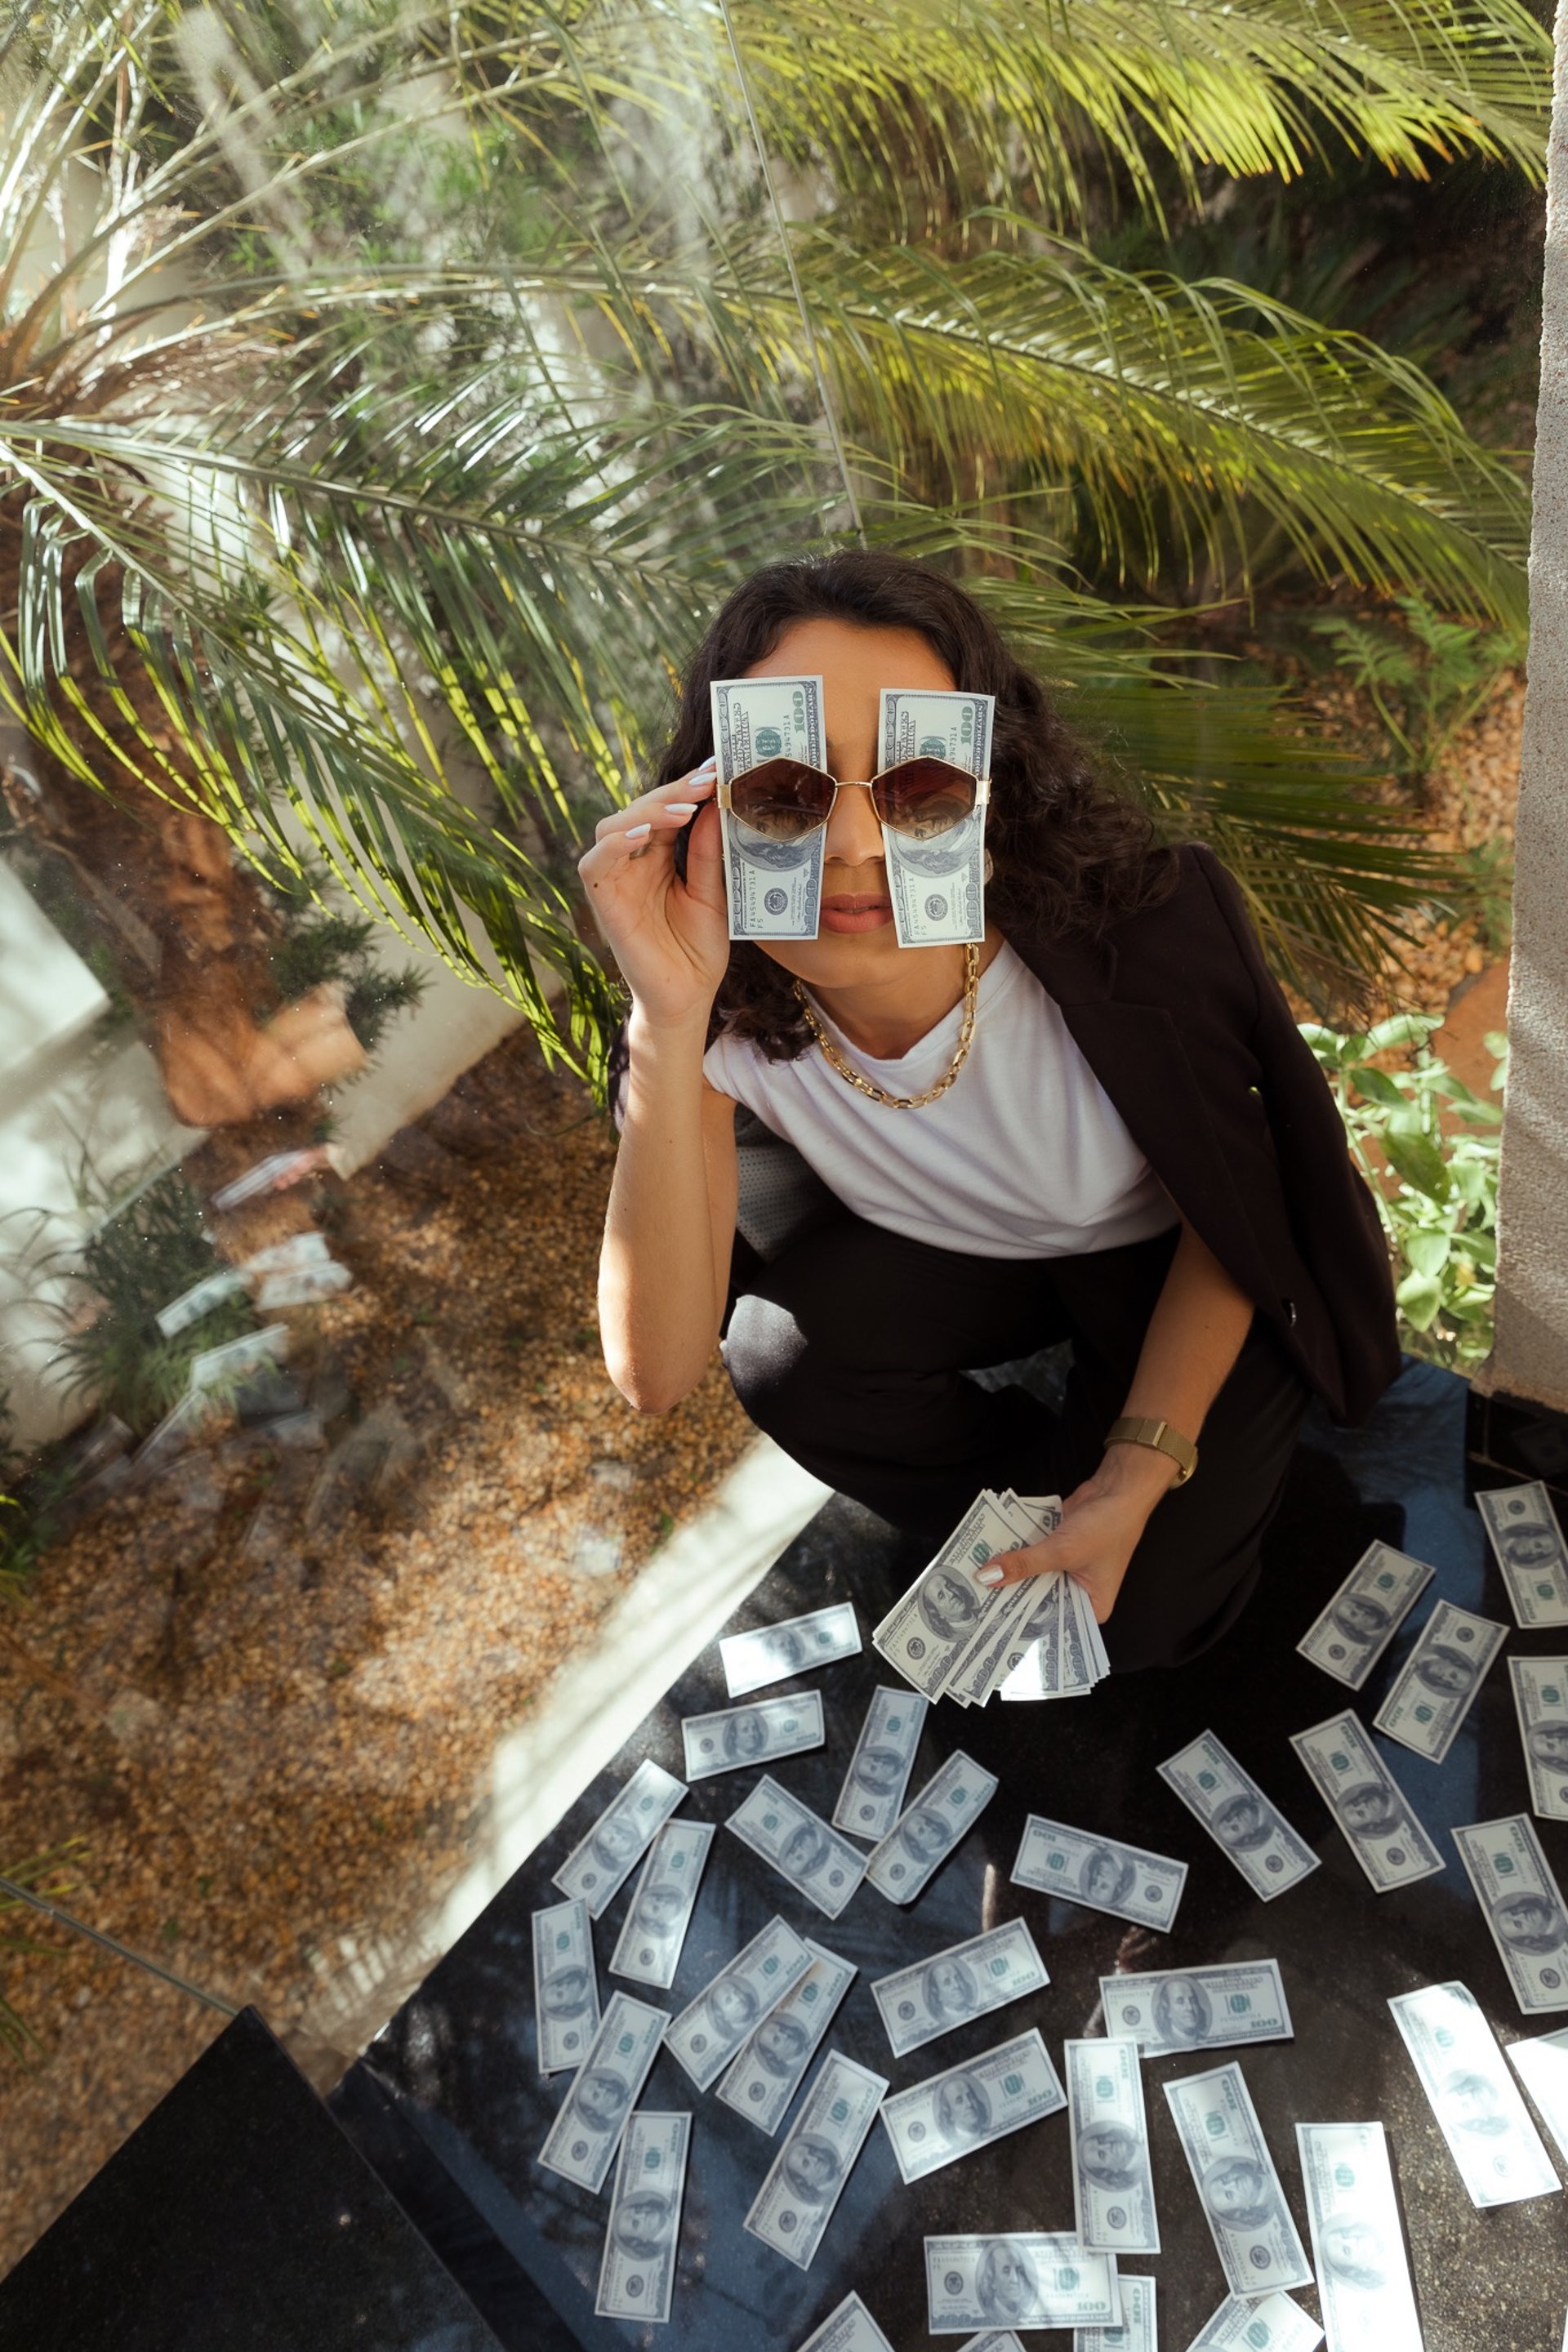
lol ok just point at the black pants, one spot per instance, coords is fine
(849, 1350)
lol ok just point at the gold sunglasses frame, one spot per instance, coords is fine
(981, 792)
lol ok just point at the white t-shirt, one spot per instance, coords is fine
(1024, 1156)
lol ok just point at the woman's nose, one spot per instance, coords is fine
(854, 831)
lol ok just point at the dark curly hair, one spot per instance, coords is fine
(1071, 855)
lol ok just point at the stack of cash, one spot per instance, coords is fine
(955, 1638)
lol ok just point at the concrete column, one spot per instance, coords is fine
(1530, 1358)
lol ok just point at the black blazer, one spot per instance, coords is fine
(1186, 1029)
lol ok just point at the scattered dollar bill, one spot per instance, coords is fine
(277, 1173)
(654, 1929)
(1139, 2331)
(566, 1986)
(1224, 2007)
(1378, 1820)
(1238, 1816)
(925, 1835)
(1490, 2137)
(879, 1768)
(1541, 2066)
(1264, 2322)
(926, 1633)
(760, 1734)
(581, 2143)
(770, 1654)
(599, 1866)
(1237, 2186)
(937, 887)
(1540, 1702)
(1524, 1908)
(1430, 1696)
(1365, 1614)
(818, 1863)
(1528, 1545)
(972, 2104)
(308, 1248)
(304, 1286)
(795, 2204)
(770, 2065)
(636, 2277)
(1358, 2248)
(1003, 2339)
(1024, 2278)
(198, 1300)
(928, 1998)
(224, 1366)
(849, 2328)
(1099, 1872)
(1113, 2180)
(774, 888)
(710, 2029)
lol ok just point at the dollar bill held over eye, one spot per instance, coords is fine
(1237, 2186)
(927, 1832)
(873, 1793)
(1099, 1872)
(712, 2027)
(1528, 1546)
(818, 1863)
(761, 1734)
(1522, 1906)
(1540, 1702)
(636, 2275)
(1495, 2147)
(773, 889)
(1139, 2328)
(770, 1654)
(1365, 1614)
(600, 1864)
(971, 2105)
(771, 2063)
(793, 2207)
(1114, 2184)
(1244, 1822)
(566, 1987)
(581, 2143)
(1019, 2279)
(1376, 1817)
(1541, 2066)
(648, 1948)
(1430, 1696)
(848, 2329)
(1358, 2246)
(938, 885)
(1264, 2322)
(1224, 2007)
(928, 1998)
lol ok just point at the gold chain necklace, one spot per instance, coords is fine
(865, 1086)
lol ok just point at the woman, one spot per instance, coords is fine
(1136, 1152)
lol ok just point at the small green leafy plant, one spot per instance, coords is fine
(1441, 1143)
(1425, 676)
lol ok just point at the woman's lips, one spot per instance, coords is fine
(860, 911)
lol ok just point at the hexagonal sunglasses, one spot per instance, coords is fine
(785, 799)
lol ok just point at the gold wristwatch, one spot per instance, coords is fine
(1129, 1430)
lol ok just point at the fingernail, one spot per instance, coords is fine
(636, 832)
(992, 1575)
(680, 808)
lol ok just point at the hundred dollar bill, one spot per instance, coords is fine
(1139, 2331)
(992, 1648)
(1112, 2181)
(935, 2122)
(879, 1768)
(648, 1948)
(1358, 2249)
(636, 2277)
(198, 1300)
(1524, 1908)
(1378, 1820)
(769, 1654)
(1365, 1614)
(1540, 1702)
(1263, 2323)
(599, 1866)
(818, 1863)
(937, 887)
(1238, 1816)
(926, 1633)
(1430, 1696)
(710, 2029)
(1099, 1872)
(1024, 2278)
(1002, 2339)
(926, 1834)
(795, 2204)
(1541, 2066)
(774, 888)
(1055, 1652)
(1490, 2137)
(1528, 1544)
(849, 2328)
(565, 1988)
(233, 1361)
(928, 1998)
(581, 2143)
(761, 1734)
(308, 1248)
(302, 1286)
(1237, 2186)
(1226, 2007)
(771, 2063)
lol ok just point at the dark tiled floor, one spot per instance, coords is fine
(458, 2059)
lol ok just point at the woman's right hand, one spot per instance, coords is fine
(669, 936)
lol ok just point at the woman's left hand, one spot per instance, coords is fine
(1101, 1523)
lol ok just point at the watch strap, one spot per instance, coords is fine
(1131, 1430)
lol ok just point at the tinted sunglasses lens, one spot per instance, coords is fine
(922, 797)
(783, 799)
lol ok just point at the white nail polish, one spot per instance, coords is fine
(989, 1575)
(636, 832)
(680, 808)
